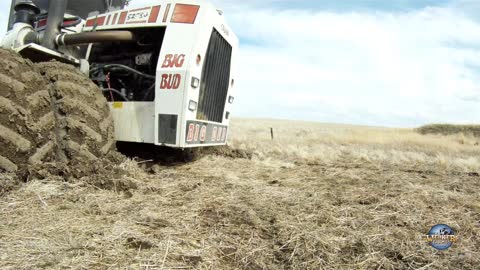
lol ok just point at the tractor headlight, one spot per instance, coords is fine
(192, 106)
(195, 82)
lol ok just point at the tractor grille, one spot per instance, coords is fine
(215, 79)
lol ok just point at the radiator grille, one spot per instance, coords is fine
(215, 79)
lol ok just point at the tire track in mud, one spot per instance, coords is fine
(25, 117)
(53, 121)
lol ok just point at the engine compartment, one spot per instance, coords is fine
(125, 71)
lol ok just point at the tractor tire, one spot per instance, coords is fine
(26, 118)
(84, 124)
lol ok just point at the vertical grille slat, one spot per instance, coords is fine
(215, 79)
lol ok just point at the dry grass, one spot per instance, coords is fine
(317, 197)
(328, 143)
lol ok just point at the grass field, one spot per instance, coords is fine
(318, 196)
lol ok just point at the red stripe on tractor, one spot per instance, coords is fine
(101, 21)
(90, 23)
(68, 23)
(165, 16)
(123, 17)
(97, 21)
(42, 23)
(154, 14)
(185, 13)
(114, 18)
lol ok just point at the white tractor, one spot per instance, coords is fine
(161, 75)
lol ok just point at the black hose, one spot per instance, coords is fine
(113, 66)
(149, 91)
(116, 92)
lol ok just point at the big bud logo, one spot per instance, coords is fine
(172, 81)
(173, 60)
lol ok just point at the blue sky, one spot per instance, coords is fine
(399, 63)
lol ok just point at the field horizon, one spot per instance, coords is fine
(413, 127)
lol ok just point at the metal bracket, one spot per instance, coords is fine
(37, 53)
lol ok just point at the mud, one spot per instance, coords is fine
(50, 114)
(173, 157)
(84, 123)
(25, 119)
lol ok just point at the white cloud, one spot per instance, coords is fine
(369, 68)
(4, 14)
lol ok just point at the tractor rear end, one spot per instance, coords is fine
(180, 94)
(160, 75)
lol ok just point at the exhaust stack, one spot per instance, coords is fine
(56, 11)
(25, 12)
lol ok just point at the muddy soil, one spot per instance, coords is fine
(26, 119)
(51, 116)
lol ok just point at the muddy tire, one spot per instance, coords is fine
(26, 118)
(84, 124)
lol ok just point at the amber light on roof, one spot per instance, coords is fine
(185, 13)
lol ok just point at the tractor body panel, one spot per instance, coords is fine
(173, 118)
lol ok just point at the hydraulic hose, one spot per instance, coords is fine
(94, 37)
(118, 66)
